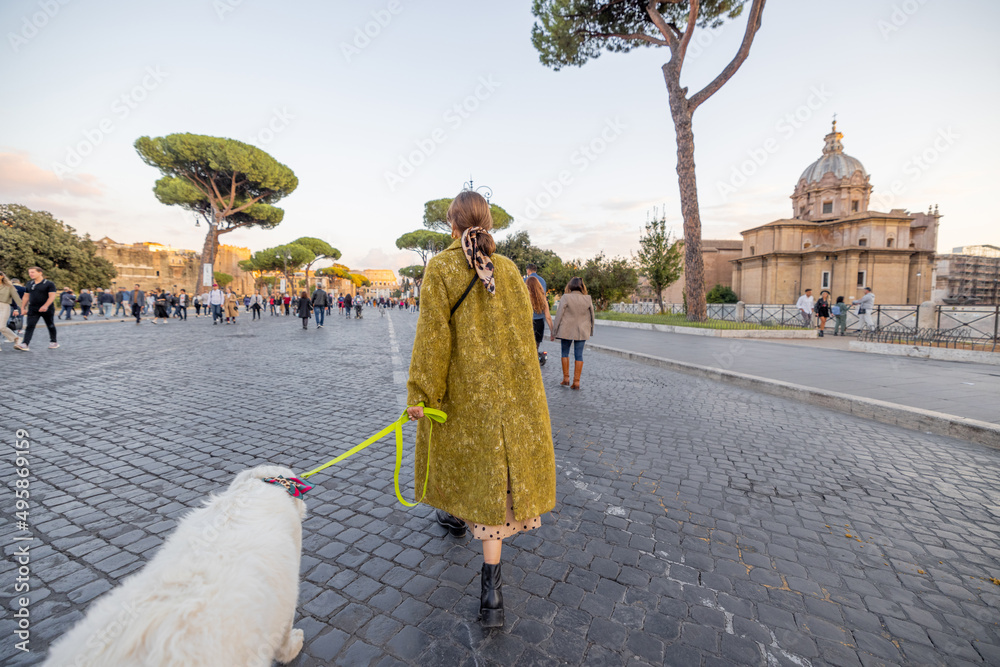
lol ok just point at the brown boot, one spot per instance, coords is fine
(577, 370)
(565, 363)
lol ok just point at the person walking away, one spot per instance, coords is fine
(492, 465)
(839, 312)
(347, 305)
(121, 303)
(160, 306)
(287, 300)
(137, 297)
(86, 301)
(822, 309)
(182, 305)
(304, 308)
(573, 327)
(9, 301)
(246, 303)
(216, 298)
(320, 301)
(866, 305)
(805, 305)
(232, 306)
(104, 302)
(541, 314)
(358, 304)
(66, 300)
(256, 302)
(39, 296)
(150, 302)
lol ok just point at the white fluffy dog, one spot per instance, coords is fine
(222, 590)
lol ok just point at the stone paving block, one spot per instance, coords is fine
(673, 542)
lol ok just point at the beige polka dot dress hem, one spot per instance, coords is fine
(511, 527)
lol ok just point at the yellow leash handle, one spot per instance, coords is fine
(433, 414)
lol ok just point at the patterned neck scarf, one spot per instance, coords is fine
(477, 260)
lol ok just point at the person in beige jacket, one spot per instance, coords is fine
(574, 324)
(10, 300)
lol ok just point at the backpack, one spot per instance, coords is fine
(835, 310)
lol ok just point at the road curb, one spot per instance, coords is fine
(754, 334)
(917, 419)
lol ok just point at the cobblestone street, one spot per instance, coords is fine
(696, 523)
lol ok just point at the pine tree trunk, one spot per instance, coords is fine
(207, 256)
(694, 269)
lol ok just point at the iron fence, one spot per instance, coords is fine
(978, 324)
(959, 338)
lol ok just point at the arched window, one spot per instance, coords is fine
(862, 242)
(889, 242)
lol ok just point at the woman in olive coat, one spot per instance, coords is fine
(492, 463)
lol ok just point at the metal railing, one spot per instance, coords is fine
(958, 338)
(978, 324)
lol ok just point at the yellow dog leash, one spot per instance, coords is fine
(397, 426)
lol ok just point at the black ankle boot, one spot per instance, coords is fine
(491, 599)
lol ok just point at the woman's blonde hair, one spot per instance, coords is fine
(539, 303)
(470, 209)
(576, 285)
(4, 280)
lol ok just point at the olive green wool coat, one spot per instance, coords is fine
(480, 366)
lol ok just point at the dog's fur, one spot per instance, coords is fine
(222, 590)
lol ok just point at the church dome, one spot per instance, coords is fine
(840, 165)
(834, 161)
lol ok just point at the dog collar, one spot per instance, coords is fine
(295, 486)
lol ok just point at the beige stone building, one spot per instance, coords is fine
(834, 242)
(717, 256)
(969, 275)
(157, 265)
(383, 282)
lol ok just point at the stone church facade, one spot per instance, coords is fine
(833, 241)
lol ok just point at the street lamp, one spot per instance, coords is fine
(919, 292)
(485, 190)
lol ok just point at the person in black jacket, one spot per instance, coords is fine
(347, 305)
(86, 300)
(304, 308)
(320, 302)
(160, 306)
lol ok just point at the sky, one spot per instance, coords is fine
(379, 106)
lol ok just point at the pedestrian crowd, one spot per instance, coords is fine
(22, 306)
(824, 311)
